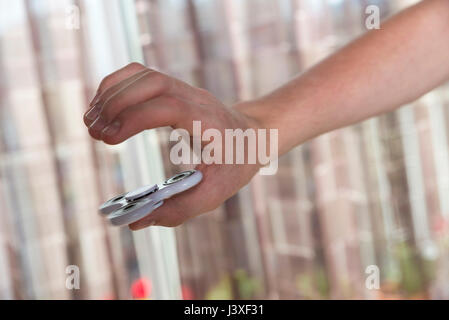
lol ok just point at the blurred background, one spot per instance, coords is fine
(376, 193)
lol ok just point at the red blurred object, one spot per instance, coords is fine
(187, 293)
(440, 225)
(141, 288)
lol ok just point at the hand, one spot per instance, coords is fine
(136, 98)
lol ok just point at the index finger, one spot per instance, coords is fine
(115, 77)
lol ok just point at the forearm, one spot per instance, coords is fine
(377, 73)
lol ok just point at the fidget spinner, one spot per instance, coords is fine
(132, 206)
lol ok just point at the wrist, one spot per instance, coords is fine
(252, 112)
(261, 114)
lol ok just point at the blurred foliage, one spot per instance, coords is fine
(314, 284)
(248, 287)
(221, 291)
(411, 282)
(416, 272)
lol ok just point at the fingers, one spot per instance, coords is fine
(144, 87)
(158, 112)
(147, 86)
(116, 77)
(172, 213)
(107, 93)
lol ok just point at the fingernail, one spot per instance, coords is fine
(98, 124)
(93, 112)
(112, 129)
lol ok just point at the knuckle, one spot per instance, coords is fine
(161, 80)
(104, 83)
(174, 102)
(203, 91)
(204, 95)
(135, 66)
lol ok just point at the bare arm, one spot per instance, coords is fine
(379, 72)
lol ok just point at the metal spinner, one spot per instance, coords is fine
(132, 206)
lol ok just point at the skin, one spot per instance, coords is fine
(376, 73)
